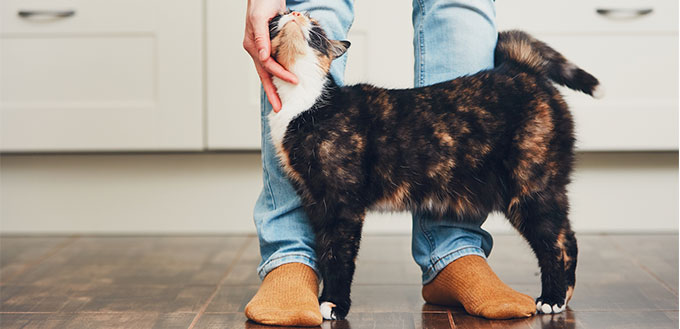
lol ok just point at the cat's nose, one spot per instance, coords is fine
(295, 13)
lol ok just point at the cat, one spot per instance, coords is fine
(498, 140)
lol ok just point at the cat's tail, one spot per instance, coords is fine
(520, 48)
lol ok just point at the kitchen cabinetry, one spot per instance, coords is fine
(101, 75)
(233, 87)
(132, 75)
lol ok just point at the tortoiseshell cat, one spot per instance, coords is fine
(499, 140)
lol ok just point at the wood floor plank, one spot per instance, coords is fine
(390, 298)
(19, 252)
(244, 271)
(622, 297)
(656, 254)
(432, 320)
(231, 299)
(388, 320)
(464, 321)
(386, 260)
(230, 320)
(617, 320)
(154, 274)
(138, 260)
(163, 282)
(128, 320)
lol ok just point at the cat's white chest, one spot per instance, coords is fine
(298, 98)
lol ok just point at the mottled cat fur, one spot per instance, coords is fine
(499, 140)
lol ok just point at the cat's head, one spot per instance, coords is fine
(295, 36)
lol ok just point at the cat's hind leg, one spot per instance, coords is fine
(542, 220)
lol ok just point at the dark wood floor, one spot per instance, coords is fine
(624, 281)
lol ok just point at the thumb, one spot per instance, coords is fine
(262, 43)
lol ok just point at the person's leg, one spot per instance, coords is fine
(289, 291)
(453, 38)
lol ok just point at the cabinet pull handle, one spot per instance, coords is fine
(624, 13)
(47, 13)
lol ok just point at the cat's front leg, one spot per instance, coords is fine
(337, 245)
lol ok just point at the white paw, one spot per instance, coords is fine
(559, 309)
(550, 309)
(326, 308)
(545, 308)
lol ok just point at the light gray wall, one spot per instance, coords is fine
(215, 193)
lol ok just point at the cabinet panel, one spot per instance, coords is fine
(589, 16)
(634, 56)
(640, 77)
(83, 71)
(91, 16)
(233, 87)
(113, 76)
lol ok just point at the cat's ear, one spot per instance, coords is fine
(339, 47)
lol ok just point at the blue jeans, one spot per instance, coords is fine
(451, 38)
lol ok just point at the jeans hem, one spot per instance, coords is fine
(273, 263)
(447, 259)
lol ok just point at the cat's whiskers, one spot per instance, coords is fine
(319, 35)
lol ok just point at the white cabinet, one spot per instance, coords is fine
(631, 46)
(121, 75)
(81, 75)
(233, 87)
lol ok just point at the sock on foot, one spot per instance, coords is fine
(288, 296)
(471, 282)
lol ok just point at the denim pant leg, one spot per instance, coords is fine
(283, 229)
(451, 38)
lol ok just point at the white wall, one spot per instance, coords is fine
(215, 193)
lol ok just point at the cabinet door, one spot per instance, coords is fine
(631, 46)
(91, 75)
(233, 87)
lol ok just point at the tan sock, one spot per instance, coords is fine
(288, 296)
(470, 281)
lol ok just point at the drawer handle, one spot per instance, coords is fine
(46, 13)
(622, 13)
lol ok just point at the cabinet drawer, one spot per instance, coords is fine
(639, 75)
(86, 16)
(115, 75)
(582, 16)
(634, 55)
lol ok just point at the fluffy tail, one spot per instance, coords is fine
(521, 49)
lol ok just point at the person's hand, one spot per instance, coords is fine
(256, 42)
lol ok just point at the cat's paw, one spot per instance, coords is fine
(326, 309)
(550, 306)
(330, 311)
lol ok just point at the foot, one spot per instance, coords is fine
(470, 282)
(288, 296)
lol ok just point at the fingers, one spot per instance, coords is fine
(256, 42)
(269, 88)
(263, 51)
(261, 37)
(277, 70)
